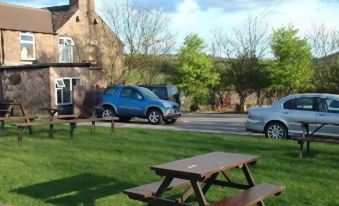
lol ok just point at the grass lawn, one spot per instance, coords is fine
(95, 169)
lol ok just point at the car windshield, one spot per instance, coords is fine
(148, 93)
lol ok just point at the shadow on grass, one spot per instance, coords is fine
(82, 189)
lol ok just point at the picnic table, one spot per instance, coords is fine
(204, 169)
(51, 111)
(311, 136)
(8, 106)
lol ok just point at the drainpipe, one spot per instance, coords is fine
(2, 50)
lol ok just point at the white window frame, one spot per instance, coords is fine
(27, 42)
(71, 46)
(61, 87)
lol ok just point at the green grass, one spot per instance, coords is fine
(95, 169)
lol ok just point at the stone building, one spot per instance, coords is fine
(48, 53)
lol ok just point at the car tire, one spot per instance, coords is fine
(170, 121)
(154, 116)
(124, 119)
(276, 130)
(108, 112)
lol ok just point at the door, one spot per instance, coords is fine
(328, 113)
(301, 109)
(131, 103)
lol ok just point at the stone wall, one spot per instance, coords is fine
(95, 42)
(46, 48)
(34, 86)
(30, 87)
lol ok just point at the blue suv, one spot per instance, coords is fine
(126, 102)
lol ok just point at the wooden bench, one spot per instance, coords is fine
(25, 118)
(251, 196)
(314, 138)
(72, 123)
(144, 192)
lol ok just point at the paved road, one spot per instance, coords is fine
(215, 123)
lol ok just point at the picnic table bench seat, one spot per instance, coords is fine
(71, 122)
(144, 192)
(251, 196)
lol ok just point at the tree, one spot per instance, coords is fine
(290, 70)
(242, 53)
(325, 47)
(144, 32)
(194, 73)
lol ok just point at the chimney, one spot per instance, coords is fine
(83, 5)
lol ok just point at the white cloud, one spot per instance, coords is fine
(189, 18)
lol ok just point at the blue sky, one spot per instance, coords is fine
(202, 16)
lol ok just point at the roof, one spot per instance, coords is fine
(45, 20)
(61, 14)
(20, 18)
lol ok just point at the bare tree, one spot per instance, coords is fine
(241, 53)
(144, 32)
(325, 49)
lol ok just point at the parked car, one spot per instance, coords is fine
(283, 118)
(126, 102)
(166, 92)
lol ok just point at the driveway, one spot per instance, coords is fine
(199, 122)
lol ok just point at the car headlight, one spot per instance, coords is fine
(169, 111)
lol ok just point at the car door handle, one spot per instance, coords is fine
(285, 113)
(322, 115)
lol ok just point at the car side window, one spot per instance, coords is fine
(130, 93)
(126, 93)
(288, 104)
(110, 91)
(332, 105)
(304, 104)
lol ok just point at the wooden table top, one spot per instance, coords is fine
(204, 165)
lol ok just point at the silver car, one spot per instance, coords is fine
(282, 119)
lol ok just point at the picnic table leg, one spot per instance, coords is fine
(72, 126)
(164, 185)
(301, 148)
(188, 192)
(93, 127)
(30, 130)
(308, 146)
(50, 133)
(228, 176)
(112, 126)
(20, 133)
(199, 193)
(2, 125)
(250, 180)
(209, 182)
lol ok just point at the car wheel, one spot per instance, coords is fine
(154, 116)
(276, 130)
(124, 119)
(108, 112)
(170, 121)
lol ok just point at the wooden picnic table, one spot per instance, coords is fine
(205, 169)
(11, 105)
(308, 136)
(51, 111)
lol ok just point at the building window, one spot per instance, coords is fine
(64, 90)
(27, 46)
(66, 47)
